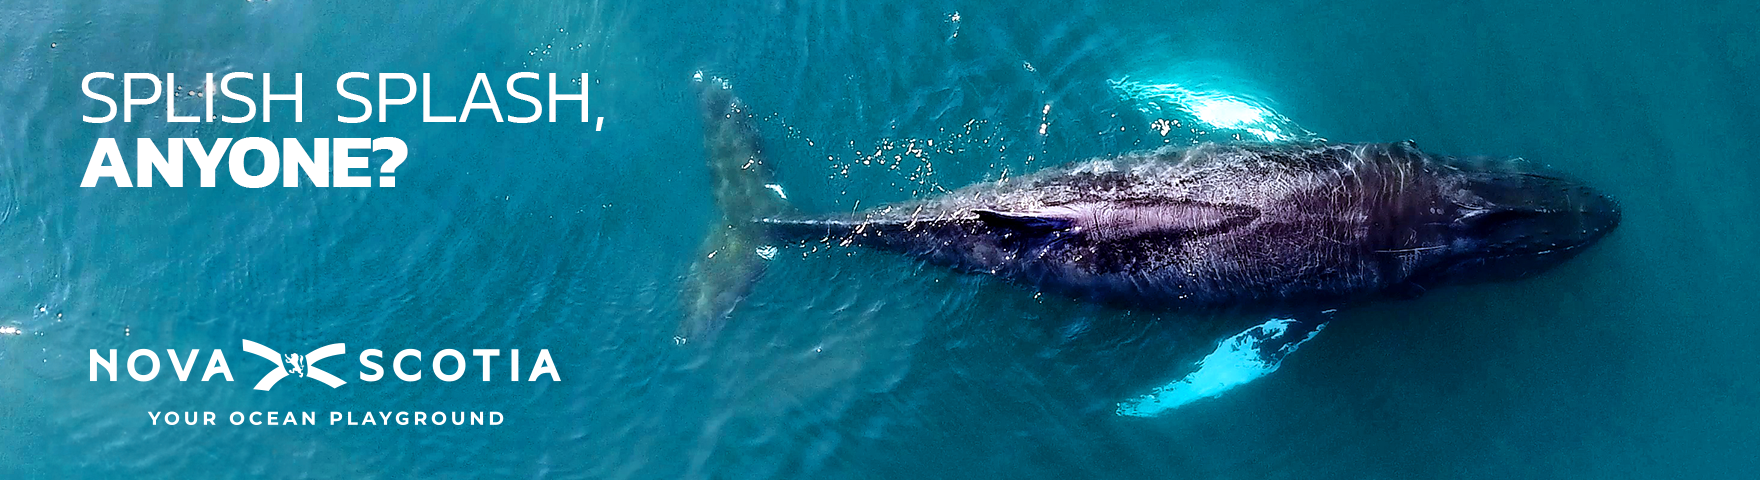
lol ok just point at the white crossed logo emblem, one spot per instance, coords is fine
(293, 361)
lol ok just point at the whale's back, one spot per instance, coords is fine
(1206, 226)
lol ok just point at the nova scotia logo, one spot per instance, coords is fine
(446, 365)
(298, 365)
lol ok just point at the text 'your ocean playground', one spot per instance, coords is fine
(328, 162)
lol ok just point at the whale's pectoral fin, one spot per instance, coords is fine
(1237, 360)
(732, 256)
(1023, 222)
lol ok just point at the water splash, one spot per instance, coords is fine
(1208, 109)
(1239, 359)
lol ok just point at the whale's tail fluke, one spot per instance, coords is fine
(732, 256)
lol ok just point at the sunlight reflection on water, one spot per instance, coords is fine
(1208, 109)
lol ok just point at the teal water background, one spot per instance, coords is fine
(1637, 360)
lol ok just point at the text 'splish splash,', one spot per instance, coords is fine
(328, 162)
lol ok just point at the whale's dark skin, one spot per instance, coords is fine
(1284, 228)
(1293, 232)
(1281, 229)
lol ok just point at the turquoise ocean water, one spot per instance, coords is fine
(1639, 359)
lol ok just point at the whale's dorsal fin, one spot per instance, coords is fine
(1023, 222)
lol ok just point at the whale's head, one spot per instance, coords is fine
(1511, 223)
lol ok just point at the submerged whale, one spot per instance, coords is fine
(1290, 231)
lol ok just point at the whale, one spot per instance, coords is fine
(1290, 232)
